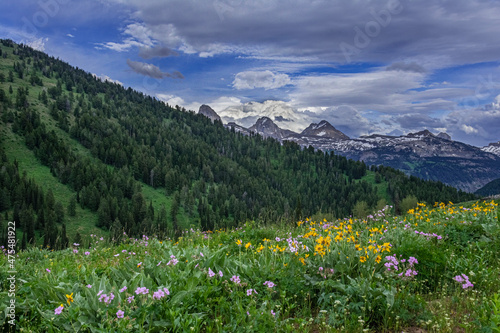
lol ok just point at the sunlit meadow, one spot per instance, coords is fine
(436, 269)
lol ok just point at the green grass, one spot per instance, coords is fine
(84, 221)
(381, 187)
(334, 280)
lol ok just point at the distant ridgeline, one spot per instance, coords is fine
(490, 189)
(112, 146)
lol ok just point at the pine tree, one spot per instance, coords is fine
(59, 210)
(78, 238)
(64, 237)
(116, 231)
(298, 209)
(23, 243)
(50, 201)
(174, 210)
(72, 206)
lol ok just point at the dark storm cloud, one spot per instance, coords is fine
(418, 121)
(157, 52)
(151, 70)
(379, 30)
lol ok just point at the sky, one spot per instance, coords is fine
(374, 66)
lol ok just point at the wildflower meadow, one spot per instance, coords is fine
(435, 269)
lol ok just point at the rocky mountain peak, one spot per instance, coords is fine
(208, 112)
(324, 129)
(420, 134)
(493, 148)
(445, 136)
(267, 128)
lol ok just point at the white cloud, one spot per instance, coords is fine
(385, 91)
(469, 129)
(260, 79)
(104, 78)
(70, 35)
(174, 100)
(477, 126)
(38, 43)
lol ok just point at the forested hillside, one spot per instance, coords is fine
(492, 188)
(133, 163)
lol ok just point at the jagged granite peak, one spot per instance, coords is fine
(237, 128)
(208, 112)
(325, 130)
(420, 134)
(444, 135)
(493, 148)
(267, 128)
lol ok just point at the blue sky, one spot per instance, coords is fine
(389, 67)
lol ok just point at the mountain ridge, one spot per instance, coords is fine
(421, 153)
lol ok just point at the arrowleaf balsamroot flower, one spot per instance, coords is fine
(69, 298)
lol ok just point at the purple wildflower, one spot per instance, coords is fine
(58, 310)
(269, 284)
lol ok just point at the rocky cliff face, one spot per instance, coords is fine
(493, 148)
(267, 128)
(208, 112)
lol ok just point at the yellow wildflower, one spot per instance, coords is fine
(69, 298)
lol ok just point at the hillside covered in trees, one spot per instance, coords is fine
(134, 164)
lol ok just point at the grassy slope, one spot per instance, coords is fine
(381, 187)
(84, 221)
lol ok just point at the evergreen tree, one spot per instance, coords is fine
(116, 231)
(50, 201)
(298, 209)
(23, 242)
(72, 206)
(59, 210)
(174, 210)
(78, 238)
(64, 237)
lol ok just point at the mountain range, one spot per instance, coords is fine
(422, 154)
